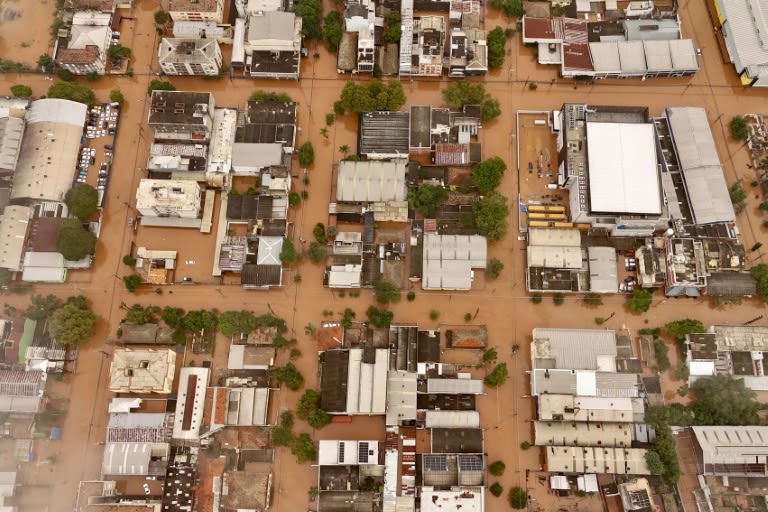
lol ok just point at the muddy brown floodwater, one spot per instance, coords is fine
(25, 31)
(502, 305)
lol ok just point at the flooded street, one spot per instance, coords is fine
(503, 305)
(25, 29)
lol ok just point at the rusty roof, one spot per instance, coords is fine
(77, 55)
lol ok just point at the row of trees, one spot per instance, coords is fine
(70, 322)
(460, 94)
(370, 96)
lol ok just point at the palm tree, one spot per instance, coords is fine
(344, 149)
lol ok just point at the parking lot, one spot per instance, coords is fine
(97, 148)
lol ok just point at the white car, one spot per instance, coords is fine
(146, 489)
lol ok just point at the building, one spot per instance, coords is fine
(357, 49)
(189, 56)
(273, 45)
(741, 24)
(468, 49)
(449, 260)
(736, 350)
(190, 404)
(267, 269)
(731, 450)
(354, 382)
(142, 371)
(196, 10)
(169, 199)
(11, 136)
(134, 459)
(14, 222)
(599, 460)
(241, 403)
(49, 151)
(21, 392)
(372, 185)
(345, 468)
(383, 135)
(428, 46)
(83, 49)
(268, 122)
(181, 116)
(249, 357)
(137, 427)
(580, 48)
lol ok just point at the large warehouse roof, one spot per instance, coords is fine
(622, 168)
(707, 190)
(371, 181)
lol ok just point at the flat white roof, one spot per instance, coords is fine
(733, 444)
(348, 452)
(186, 424)
(622, 168)
(465, 500)
(453, 419)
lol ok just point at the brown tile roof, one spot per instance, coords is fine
(77, 56)
(192, 6)
(576, 45)
(539, 28)
(329, 335)
(43, 233)
(89, 5)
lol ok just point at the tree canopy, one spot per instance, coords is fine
(289, 375)
(426, 198)
(261, 95)
(311, 12)
(724, 400)
(118, 52)
(486, 175)
(491, 216)
(640, 300)
(760, 273)
(236, 322)
(132, 282)
(496, 47)
(197, 320)
(392, 27)
(512, 8)
(288, 253)
(72, 91)
(42, 306)
(498, 376)
(371, 96)
(308, 409)
(72, 325)
(116, 96)
(138, 314)
(82, 200)
(160, 85)
(379, 317)
(386, 292)
(21, 91)
(306, 154)
(172, 316)
(332, 30)
(74, 242)
(304, 449)
(739, 129)
(316, 252)
(459, 94)
(518, 498)
(494, 268)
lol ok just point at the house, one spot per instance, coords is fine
(267, 270)
(354, 382)
(731, 451)
(242, 402)
(356, 53)
(142, 371)
(164, 202)
(273, 45)
(84, 49)
(196, 10)
(189, 56)
(468, 49)
(249, 357)
(346, 255)
(190, 404)
(449, 260)
(347, 471)
(179, 116)
(428, 45)
(741, 28)
(49, 151)
(21, 392)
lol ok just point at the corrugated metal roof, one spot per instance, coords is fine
(455, 386)
(697, 155)
(732, 444)
(745, 28)
(603, 273)
(371, 181)
(452, 419)
(577, 349)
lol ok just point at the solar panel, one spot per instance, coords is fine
(435, 463)
(362, 452)
(470, 463)
(341, 452)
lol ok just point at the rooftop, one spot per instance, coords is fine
(193, 5)
(142, 371)
(574, 349)
(185, 50)
(371, 181)
(180, 108)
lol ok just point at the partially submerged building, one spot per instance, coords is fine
(82, 48)
(735, 350)
(181, 116)
(741, 25)
(375, 186)
(189, 56)
(449, 261)
(172, 203)
(354, 382)
(142, 371)
(273, 45)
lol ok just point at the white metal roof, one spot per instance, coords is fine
(549, 256)
(561, 237)
(367, 383)
(466, 500)
(683, 55)
(13, 230)
(622, 168)
(191, 381)
(657, 56)
(347, 452)
(632, 56)
(269, 250)
(452, 419)
(603, 273)
(455, 386)
(576, 349)
(733, 444)
(401, 396)
(371, 181)
(605, 57)
(622, 461)
(697, 155)
(746, 25)
(448, 260)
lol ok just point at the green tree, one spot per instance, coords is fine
(496, 489)
(261, 95)
(491, 109)
(45, 62)
(289, 375)
(71, 325)
(74, 242)
(6, 276)
(311, 13)
(173, 316)
(304, 449)
(679, 329)
(496, 47)
(82, 200)
(319, 233)
(132, 282)
(739, 128)
(491, 216)
(138, 314)
(236, 322)
(161, 17)
(42, 306)
(497, 468)
(282, 434)
(486, 175)
(21, 91)
(592, 300)
(760, 274)
(198, 320)
(494, 268)
(65, 75)
(490, 356)
(660, 352)
(386, 292)
(655, 465)
(724, 400)
(316, 252)
(72, 91)
(738, 196)
(518, 498)
(160, 85)
(308, 409)
(558, 299)
(80, 301)
(118, 52)
(379, 317)
(332, 30)
(640, 300)
(461, 93)
(512, 8)
(498, 376)
(306, 154)
(392, 27)
(116, 96)
(371, 96)
(426, 198)
(288, 253)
